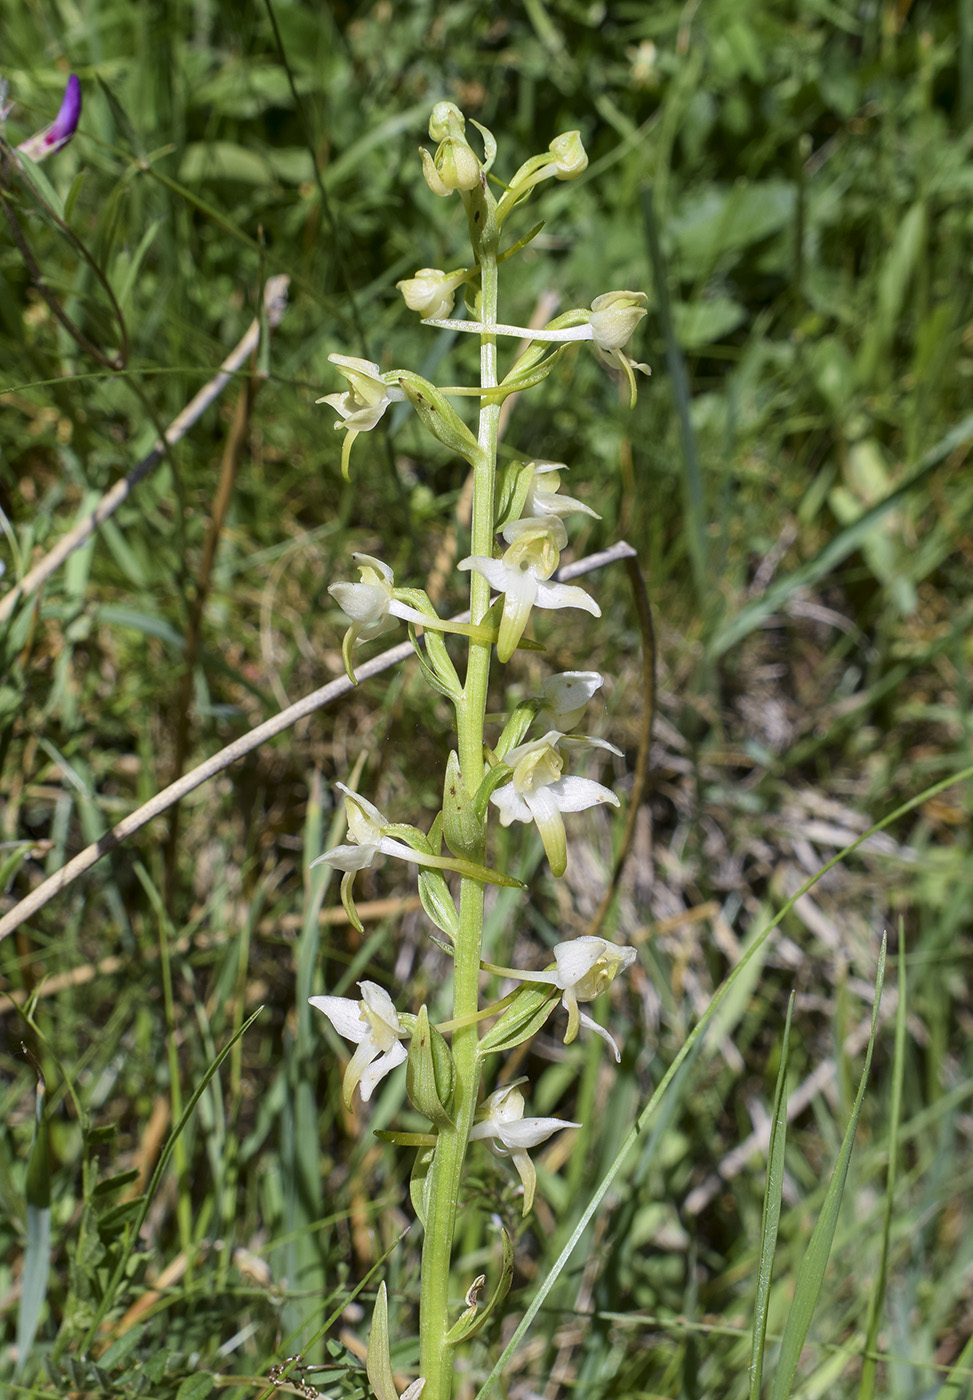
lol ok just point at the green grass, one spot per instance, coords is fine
(796, 481)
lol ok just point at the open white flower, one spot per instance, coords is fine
(371, 605)
(539, 793)
(543, 498)
(368, 839)
(363, 403)
(502, 1118)
(566, 698)
(585, 967)
(608, 324)
(522, 576)
(373, 1026)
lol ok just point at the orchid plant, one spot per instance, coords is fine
(518, 532)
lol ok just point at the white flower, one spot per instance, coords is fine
(363, 404)
(538, 793)
(373, 1025)
(522, 574)
(585, 967)
(566, 697)
(543, 498)
(366, 828)
(614, 316)
(366, 842)
(502, 1118)
(371, 605)
(431, 292)
(368, 839)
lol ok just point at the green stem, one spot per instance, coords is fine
(435, 1358)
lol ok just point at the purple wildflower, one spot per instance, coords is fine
(51, 138)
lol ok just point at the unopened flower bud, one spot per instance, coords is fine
(570, 156)
(430, 292)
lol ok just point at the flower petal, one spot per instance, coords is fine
(545, 810)
(578, 794)
(348, 857)
(379, 1068)
(345, 1015)
(593, 1025)
(530, 1132)
(565, 595)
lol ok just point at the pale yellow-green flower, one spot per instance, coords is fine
(502, 1119)
(539, 792)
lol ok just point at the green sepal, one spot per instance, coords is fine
(398, 1138)
(493, 779)
(438, 902)
(430, 671)
(513, 483)
(472, 1319)
(419, 1182)
(515, 730)
(461, 828)
(438, 415)
(430, 1074)
(522, 1019)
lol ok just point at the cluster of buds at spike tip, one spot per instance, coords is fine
(455, 165)
(501, 1120)
(59, 132)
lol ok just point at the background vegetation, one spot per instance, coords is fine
(796, 480)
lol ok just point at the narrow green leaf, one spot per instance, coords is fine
(195, 1387)
(771, 1213)
(876, 1302)
(810, 1275)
